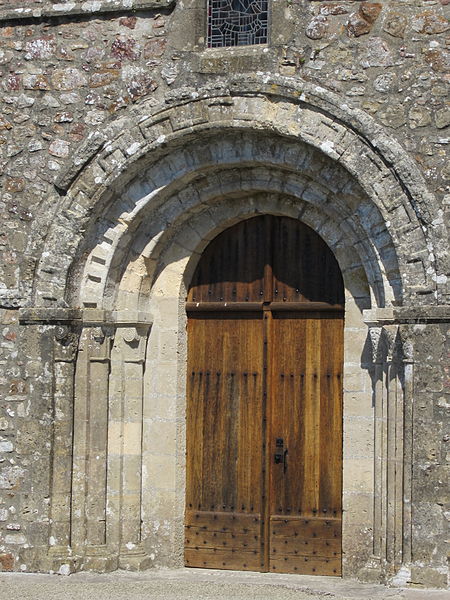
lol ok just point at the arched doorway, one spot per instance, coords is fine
(127, 253)
(264, 408)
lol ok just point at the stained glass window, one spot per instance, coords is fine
(237, 22)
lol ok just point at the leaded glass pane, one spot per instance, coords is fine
(237, 22)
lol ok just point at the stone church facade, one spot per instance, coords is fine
(127, 145)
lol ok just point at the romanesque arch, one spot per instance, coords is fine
(292, 110)
(142, 200)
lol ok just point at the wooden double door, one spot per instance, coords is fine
(264, 409)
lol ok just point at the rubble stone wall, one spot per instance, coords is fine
(81, 84)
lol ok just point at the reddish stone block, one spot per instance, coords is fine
(7, 562)
(125, 49)
(129, 22)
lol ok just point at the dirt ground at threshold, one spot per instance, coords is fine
(198, 584)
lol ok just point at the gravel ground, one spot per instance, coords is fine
(196, 584)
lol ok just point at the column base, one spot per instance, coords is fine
(134, 560)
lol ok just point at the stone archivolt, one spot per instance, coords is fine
(292, 113)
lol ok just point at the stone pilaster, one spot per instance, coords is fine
(389, 400)
(90, 445)
(65, 348)
(410, 356)
(125, 444)
(95, 395)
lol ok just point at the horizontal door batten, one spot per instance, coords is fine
(257, 306)
(306, 306)
(223, 306)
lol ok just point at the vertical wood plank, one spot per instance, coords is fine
(232, 266)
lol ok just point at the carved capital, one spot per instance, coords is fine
(130, 335)
(96, 342)
(392, 343)
(406, 337)
(131, 342)
(385, 343)
(377, 344)
(65, 343)
(98, 335)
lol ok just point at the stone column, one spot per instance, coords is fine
(378, 354)
(407, 354)
(107, 462)
(389, 398)
(125, 445)
(64, 353)
(394, 451)
(90, 447)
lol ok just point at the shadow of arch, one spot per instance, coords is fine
(199, 228)
(303, 267)
(155, 239)
(162, 208)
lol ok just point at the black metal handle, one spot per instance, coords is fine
(279, 454)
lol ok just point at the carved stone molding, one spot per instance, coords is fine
(84, 316)
(406, 336)
(390, 333)
(391, 349)
(50, 10)
(66, 343)
(377, 346)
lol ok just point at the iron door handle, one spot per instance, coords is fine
(280, 455)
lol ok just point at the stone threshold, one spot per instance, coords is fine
(236, 582)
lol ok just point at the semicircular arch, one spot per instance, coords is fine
(295, 117)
